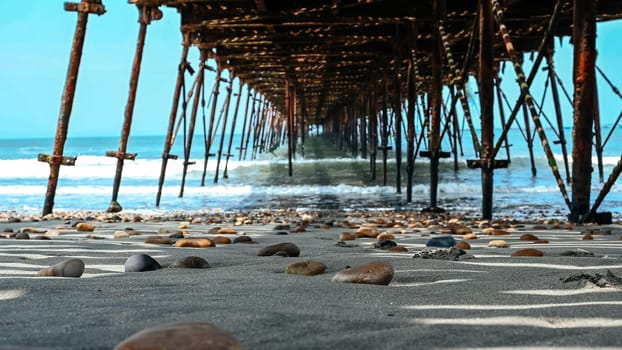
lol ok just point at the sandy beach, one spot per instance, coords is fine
(485, 298)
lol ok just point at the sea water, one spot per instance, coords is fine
(323, 178)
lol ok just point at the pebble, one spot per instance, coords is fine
(497, 232)
(191, 262)
(458, 229)
(243, 239)
(183, 225)
(66, 268)
(52, 233)
(308, 268)
(498, 243)
(380, 273)
(177, 234)
(443, 254)
(121, 235)
(227, 231)
(158, 240)
(385, 235)
(470, 236)
(528, 252)
(588, 237)
(347, 236)
(180, 336)
(43, 238)
(141, 263)
(369, 232)
(441, 242)
(22, 235)
(288, 248)
(282, 227)
(528, 237)
(31, 230)
(385, 244)
(222, 240)
(540, 241)
(195, 243)
(281, 233)
(463, 245)
(85, 227)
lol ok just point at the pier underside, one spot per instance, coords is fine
(382, 78)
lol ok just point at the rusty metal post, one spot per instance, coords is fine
(233, 123)
(209, 140)
(147, 14)
(363, 132)
(224, 125)
(584, 39)
(486, 99)
(242, 148)
(84, 8)
(558, 111)
(289, 101)
(384, 137)
(168, 144)
(398, 130)
(410, 137)
(436, 101)
(193, 119)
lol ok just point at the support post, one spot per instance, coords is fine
(584, 39)
(168, 141)
(147, 14)
(193, 119)
(233, 122)
(436, 101)
(224, 125)
(486, 100)
(84, 8)
(208, 139)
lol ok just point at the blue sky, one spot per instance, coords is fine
(36, 38)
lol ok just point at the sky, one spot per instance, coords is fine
(36, 39)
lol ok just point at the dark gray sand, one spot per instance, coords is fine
(484, 300)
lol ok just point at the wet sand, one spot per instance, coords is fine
(488, 300)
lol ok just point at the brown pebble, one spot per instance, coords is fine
(66, 268)
(180, 336)
(85, 227)
(243, 239)
(227, 231)
(385, 236)
(43, 238)
(195, 243)
(462, 245)
(7, 230)
(380, 273)
(222, 240)
(528, 237)
(500, 232)
(290, 249)
(347, 236)
(540, 241)
(308, 268)
(369, 232)
(469, 236)
(191, 262)
(528, 252)
(498, 243)
(588, 237)
(458, 229)
(158, 240)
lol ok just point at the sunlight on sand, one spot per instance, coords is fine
(10, 294)
(513, 321)
(545, 266)
(509, 307)
(562, 292)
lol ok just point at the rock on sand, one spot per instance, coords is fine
(141, 263)
(181, 336)
(66, 268)
(371, 273)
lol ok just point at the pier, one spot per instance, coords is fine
(368, 75)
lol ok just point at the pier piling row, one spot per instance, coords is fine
(368, 74)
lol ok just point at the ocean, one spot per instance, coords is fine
(325, 178)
